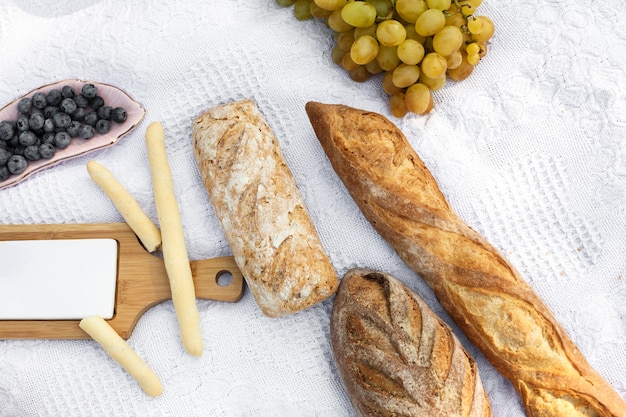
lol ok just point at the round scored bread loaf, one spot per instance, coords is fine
(396, 357)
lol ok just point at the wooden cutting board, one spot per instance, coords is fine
(142, 280)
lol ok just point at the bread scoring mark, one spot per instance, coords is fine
(400, 355)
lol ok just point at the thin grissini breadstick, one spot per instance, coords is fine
(137, 220)
(483, 293)
(122, 353)
(173, 241)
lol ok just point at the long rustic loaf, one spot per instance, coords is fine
(396, 357)
(261, 210)
(483, 293)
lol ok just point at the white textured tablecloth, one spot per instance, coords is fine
(530, 150)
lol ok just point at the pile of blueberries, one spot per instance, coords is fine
(48, 122)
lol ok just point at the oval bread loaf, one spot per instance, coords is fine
(396, 357)
(261, 210)
(483, 293)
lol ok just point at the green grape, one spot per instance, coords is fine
(476, 3)
(467, 8)
(337, 55)
(336, 22)
(397, 105)
(317, 12)
(359, 74)
(285, 3)
(430, 22)
(447, 40)
(390, 33)
(434, 65)
(472, 49)
(475, 26)
(488, 28)
(418, 99)
(373, 67)
(462, 71)
(384, 8)
(345, 40)
(433, 83)
(405, 75)
(388, 86)
(348, 63)
(331, 4)
(364, 50)
(439, 4)
(454, 60)
(302, 9)
(359, 14)
(410, 51)
(388, 57)
(411, 33)
(370, 30)
(473, 58)
(455, 18)
(410, 10)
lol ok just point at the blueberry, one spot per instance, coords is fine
(89, 90)
(62, 120)
(68, 106)
(4, 174)
(104, 112)
(47, 150)
(73, 128)
(50, 111)
(54, 97)
(79, 114)
(96, 102)
(36, 121)
(118, 115)
(62, 139)
(24, 105)
(22, 123)
(39, 100)
(17, 164)
(48, 125)
(14, 141)
(7, 130)
(67, 91)
(91, 118)
(4, 156)
(31, 153)
(81, 101)
(86, 132)
(103, 126)
(4, 144)
(48, 137)
(27, 138)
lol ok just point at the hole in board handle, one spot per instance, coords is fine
(224, 278)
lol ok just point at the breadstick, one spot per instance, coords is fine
(137, 220)
(122, 353)
(483, 293)
(173, 242)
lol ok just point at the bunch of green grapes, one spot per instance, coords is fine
(416, 45)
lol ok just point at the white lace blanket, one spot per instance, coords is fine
(530, 150)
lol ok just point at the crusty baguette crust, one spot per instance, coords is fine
(261, 210)
(396, 357)
(483, 293)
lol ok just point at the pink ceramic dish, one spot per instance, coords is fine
(112, 96)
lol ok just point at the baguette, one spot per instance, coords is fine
(396, 357)
(483, 293)
(261, 210)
